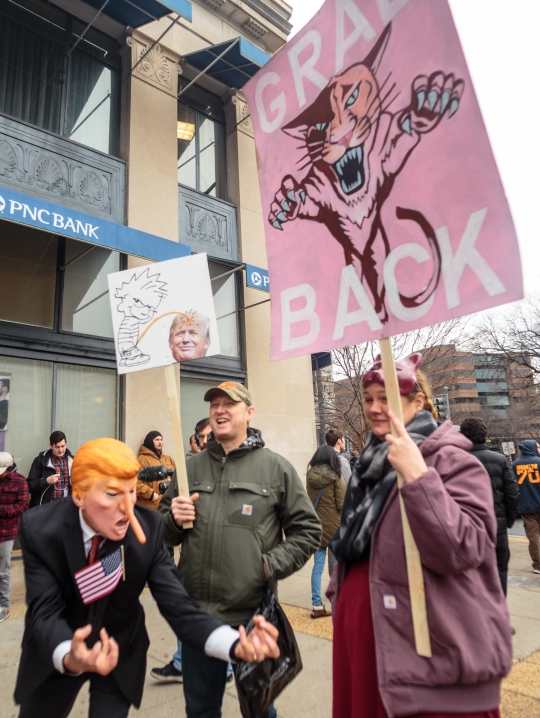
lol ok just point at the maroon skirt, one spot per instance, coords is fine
(355, 684)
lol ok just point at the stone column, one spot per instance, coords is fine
(148, 144)
(282, 390)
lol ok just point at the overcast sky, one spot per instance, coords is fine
(500, 40)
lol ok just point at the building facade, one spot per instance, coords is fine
(487, 385)
(115, 151)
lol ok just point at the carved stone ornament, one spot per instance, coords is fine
(156, 65)
(216, 4)
(44, 165)
(244, 122)
(207, 224)
(254, 28)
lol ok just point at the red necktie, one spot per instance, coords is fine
(96, 541)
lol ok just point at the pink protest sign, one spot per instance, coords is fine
(384, 210)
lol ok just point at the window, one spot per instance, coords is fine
(492, 387)
(201, 142)
(226, 303)
(55, 282)
(28, 260)
(44, 396)
(76, 96)
(85, 297)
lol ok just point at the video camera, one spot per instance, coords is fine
(156, 473)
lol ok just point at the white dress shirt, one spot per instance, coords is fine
(218, 644)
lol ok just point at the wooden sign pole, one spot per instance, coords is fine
(412, 555)
(173, 396)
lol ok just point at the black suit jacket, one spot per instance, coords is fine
(53, 551)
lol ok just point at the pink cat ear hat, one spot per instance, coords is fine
(406, 373)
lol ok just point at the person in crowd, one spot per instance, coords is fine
(189, 336)
(504, 486)
(49, 478)
(336, 439)
(202, 432)
(354, 458)
(253, 524)
(151, 454)
(78, 629)
(527, 471)
(172, 671)
(326, 488)
(449, 504)
(14, 498)
(193, 446)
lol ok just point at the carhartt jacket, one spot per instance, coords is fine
(450, 512)
(144, 490)
(527, 470)
(333, 486)
(252, 508)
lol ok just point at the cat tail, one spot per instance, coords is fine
(415, 216)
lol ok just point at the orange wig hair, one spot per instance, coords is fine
(102, 459)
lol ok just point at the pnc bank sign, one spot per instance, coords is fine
(34, 212)
(257, 278)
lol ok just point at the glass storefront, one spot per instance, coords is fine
(45, 396)
(193, 406)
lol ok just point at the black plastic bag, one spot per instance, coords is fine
(259, 684)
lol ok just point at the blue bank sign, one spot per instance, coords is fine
(22, 208)
(257, 278)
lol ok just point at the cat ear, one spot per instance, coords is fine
(319, 112)
(373, 60)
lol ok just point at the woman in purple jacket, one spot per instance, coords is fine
(447, 496)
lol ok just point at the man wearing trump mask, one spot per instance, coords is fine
(87, 559)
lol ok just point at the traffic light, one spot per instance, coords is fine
(440, 406)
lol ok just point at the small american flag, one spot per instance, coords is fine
(100, 578)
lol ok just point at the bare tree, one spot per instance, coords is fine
(515, 335)
(344, 384)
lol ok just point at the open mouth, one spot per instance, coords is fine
(350, 170)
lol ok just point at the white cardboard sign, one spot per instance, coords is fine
(163, 313)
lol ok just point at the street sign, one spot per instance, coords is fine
(257, 278)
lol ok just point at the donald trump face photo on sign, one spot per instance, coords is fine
(189, 336)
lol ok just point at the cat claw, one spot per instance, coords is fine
(292, 196)
(433, 97)
(453, 108)
(277, 225)
(302, 196)
(281, 217)
(445, 99)
(406, 125)
(286, 206)
(420, 99)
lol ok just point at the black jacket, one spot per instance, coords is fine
(43, 467)
(53, 551)
(527, 470)
(503, 483)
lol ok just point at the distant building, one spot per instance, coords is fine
(500, 392)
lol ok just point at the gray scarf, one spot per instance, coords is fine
(368, 490)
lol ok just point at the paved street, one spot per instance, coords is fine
(310, 694)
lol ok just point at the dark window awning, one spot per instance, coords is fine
(239, 62)
(140, 12)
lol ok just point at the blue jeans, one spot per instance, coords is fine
(204, 684)
(177, 660)
(316, 576)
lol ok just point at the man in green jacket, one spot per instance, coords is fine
(244, 500)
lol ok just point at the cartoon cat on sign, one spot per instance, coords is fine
(356, 148)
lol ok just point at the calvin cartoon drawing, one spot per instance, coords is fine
(356, 147)
(140, 298)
